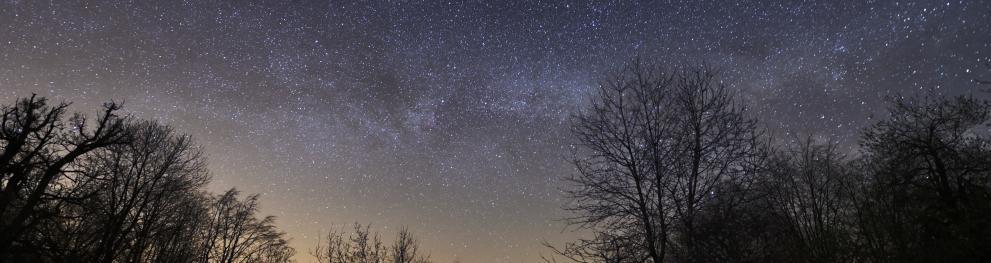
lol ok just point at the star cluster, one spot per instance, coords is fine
(452, 117)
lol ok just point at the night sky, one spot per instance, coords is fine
(452, 117)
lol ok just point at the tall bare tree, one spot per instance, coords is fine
(656, 146)
(714, 143)
(40, 152)
(811, 184)
(621, 181)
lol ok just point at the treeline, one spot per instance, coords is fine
(672, 168)
(117, 189)
(121, 189)
(362, 245)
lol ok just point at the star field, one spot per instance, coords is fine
(452, 117)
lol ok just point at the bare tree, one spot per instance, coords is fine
(182, 234)
(811, 183)
(235, 234)
(622, 175)
(138, 181)
(656, 146)
(40, 150)
(406, 249)
(362, 245)
(115, 190)
(125, 196)
(715, 144)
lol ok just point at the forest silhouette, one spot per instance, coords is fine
(671, 167)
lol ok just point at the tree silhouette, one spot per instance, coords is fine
(40, 150)
(622, 179)
(235, 234)
(406, 249)
(126, 193)
(361, 245)
(928, 196)
(123, 190)
(809, 185)
(672, 169)
(656, 147)
(717, 153)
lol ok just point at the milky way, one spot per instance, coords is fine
(452, 117)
